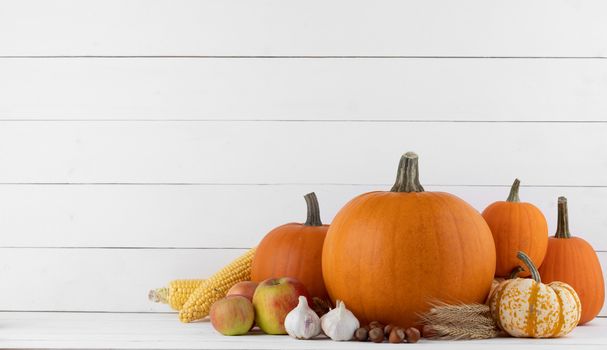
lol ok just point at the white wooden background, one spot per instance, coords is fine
(142, 141)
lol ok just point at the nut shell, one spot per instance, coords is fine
(397, 335)
(428, 331)
(388, 329)
(376, 335)
(361, 334)
(376, 324)
(412, 335)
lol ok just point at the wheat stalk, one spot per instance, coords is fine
(460, 321)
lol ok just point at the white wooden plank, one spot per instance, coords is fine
(464, 28)
(224, 216)
(302, 152)
(37, 279)
(98, 279)
(162, 331)
(304, 89)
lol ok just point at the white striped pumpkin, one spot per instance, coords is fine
(525, 307)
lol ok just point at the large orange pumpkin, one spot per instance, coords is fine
(388, 255)
(516, 226)
(294, 250)
(573, 260)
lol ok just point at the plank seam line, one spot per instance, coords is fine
(145, 248)
(116, 312)
(91, 312)
(279, 184)
(232, 120)
(124, 248)
(294, 57)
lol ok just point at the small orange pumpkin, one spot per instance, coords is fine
(294, 250)
(387, 255)
(516, 226)
(574, 261)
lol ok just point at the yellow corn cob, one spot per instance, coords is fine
(216, 287)
(175, 294)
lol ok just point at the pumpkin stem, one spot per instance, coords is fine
(407, 177)
(313, 218)
(535, 274)
(515, 272)
(513, 196)
(562, 224)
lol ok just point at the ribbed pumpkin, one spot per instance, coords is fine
(294, 250)
(498, 280)
(525, 307)
(516, 226)
(387, 255)
(573, 260)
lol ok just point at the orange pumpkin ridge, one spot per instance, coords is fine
(573, 260)
(533, 294)
(516, 226)
(559, 325)
(294, 250)
(387, 255)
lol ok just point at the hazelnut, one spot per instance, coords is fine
(428, 331)
(376, 324)
(376, 335)
(388, 329)
(361, 334)
(412, 335)
(397, 335)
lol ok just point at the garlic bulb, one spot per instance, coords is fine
(302, 322)
(340, 323)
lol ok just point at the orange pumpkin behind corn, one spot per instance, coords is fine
(294, 250)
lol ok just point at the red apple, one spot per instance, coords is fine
(244, 288)
(273, 299)
(233, 315)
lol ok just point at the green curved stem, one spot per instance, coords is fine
(313, 218)
(562, 224)
(535, 274)
(513, 196)
(407, 177)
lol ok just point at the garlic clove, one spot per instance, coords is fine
(302, 322)
(340, 323)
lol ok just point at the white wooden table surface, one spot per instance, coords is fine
(62, 330)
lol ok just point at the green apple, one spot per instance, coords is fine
(273, 299)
